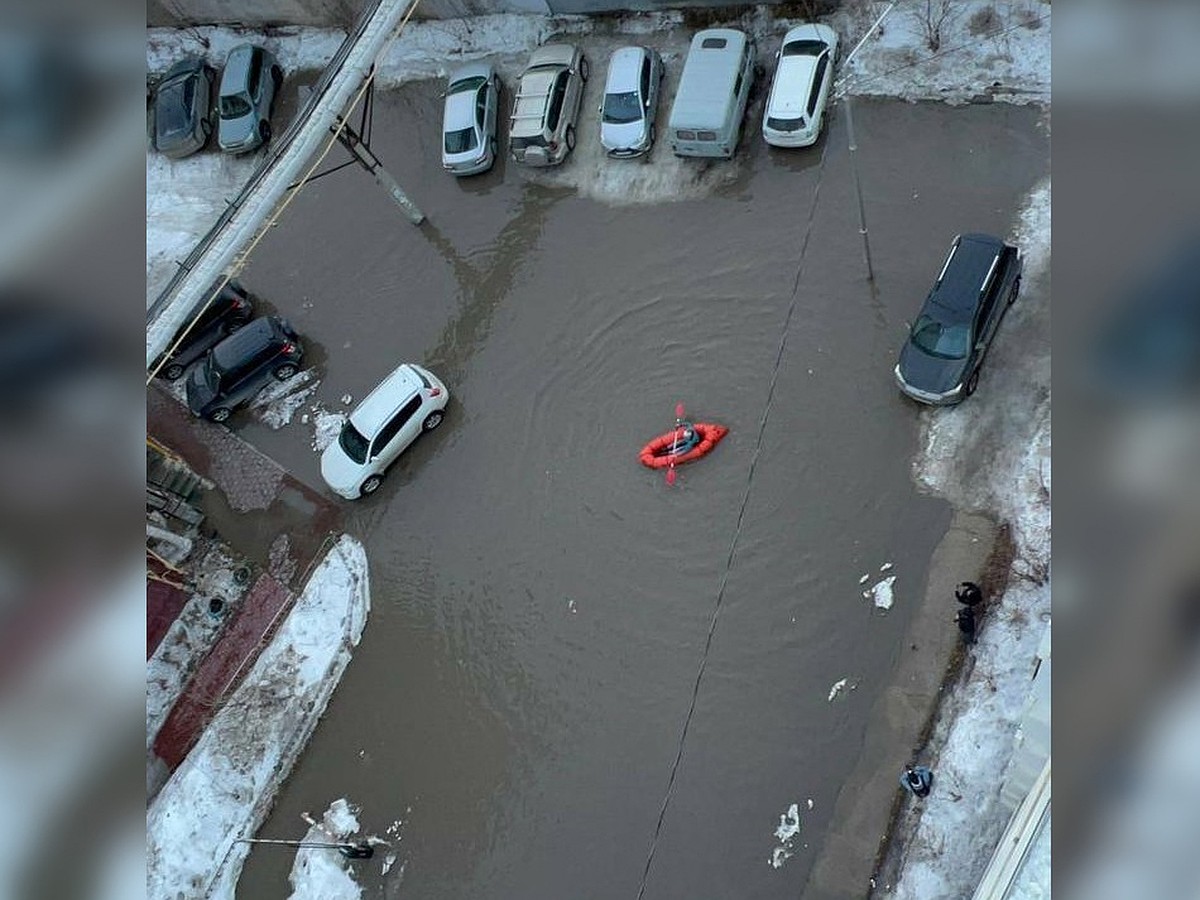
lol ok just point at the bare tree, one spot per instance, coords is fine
(934, 17)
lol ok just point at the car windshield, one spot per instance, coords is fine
(467, 84)
(785, 124)
(804, 48)
(460, 141)
(352, 441)
(174, 103)
(234, 106)
(622, 108)
(940, 340)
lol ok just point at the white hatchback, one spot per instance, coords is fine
(796, 105)
(410, 401)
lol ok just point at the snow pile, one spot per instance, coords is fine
(789, 827)
(184, 198)
(225, 787)
(322, 873)
(964, 816)
(327, 424)
(277, 402)
(881, 592)
(998, 49)
(189, 638)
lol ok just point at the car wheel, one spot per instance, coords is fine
(584, 69)
(1016, 289)
(173, 372)
(972, 383)
(285, 371)
(570, 137)
(371, 485)
(220, 414)
(264, 131)
(433, 420)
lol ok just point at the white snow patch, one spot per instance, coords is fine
(885, 567)
(225, 787)
(277, 402)
(322, 873)
(865, 578)
(837, 688)
(326, 426)
(1012, 64)
(789, 827)
(882, 593)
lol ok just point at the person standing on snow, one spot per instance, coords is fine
(965, 618)
(969, 593)
(917, 779)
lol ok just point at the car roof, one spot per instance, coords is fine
(460, 110)
(246, 341)
(624, 70)
(708, 74)
(793, 78)
(392, 393)
(957, 294)
(529, 110)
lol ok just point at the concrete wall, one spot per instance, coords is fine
(343, 13)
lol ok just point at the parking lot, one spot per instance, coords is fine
(541, 603)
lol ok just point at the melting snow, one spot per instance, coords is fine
(320, 873)
(789, 827)
(882, 592)
(838, 687)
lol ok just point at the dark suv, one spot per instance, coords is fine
(238, 367)
(946, 345)
(226, 314)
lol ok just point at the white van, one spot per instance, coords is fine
(706, 117)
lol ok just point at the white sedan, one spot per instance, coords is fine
(409, 402)
(796, 106)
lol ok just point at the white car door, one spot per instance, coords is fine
(396, 435)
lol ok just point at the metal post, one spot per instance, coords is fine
(862, 215)
(353, 142)
(361, 850)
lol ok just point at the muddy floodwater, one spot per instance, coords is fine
(541, 604)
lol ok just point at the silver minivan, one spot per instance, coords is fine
(706, 117)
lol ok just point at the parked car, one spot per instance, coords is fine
(249, 84)
(238, 367)
(229, 311)
(546, 108)
(408, 403)
(469, 119)
(714, 87)
(630, 105)
(795, 110)
(182, 113)
(940, 362)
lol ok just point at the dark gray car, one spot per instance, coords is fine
(940, 362)
(181, 117)
(241, 365)
(249, 84)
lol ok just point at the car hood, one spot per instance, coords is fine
(622, 136)
(929, 373)
(237, 132)
(339, 471)
(199, 393)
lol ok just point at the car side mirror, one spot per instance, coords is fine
(646, 103)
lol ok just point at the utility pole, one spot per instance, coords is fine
(352, 141)
(361, 850)
(862, 215)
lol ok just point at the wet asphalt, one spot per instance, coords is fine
(541, 604)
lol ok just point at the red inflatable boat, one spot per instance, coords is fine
(657, 454)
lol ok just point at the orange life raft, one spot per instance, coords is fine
(657, 454)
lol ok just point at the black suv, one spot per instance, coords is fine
(225, 315)
(238, 367)
(946, 345)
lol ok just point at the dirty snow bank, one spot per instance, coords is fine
(961, 821)
(1008, 59)
(190, 637)
(322, 873)
(225, 787)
